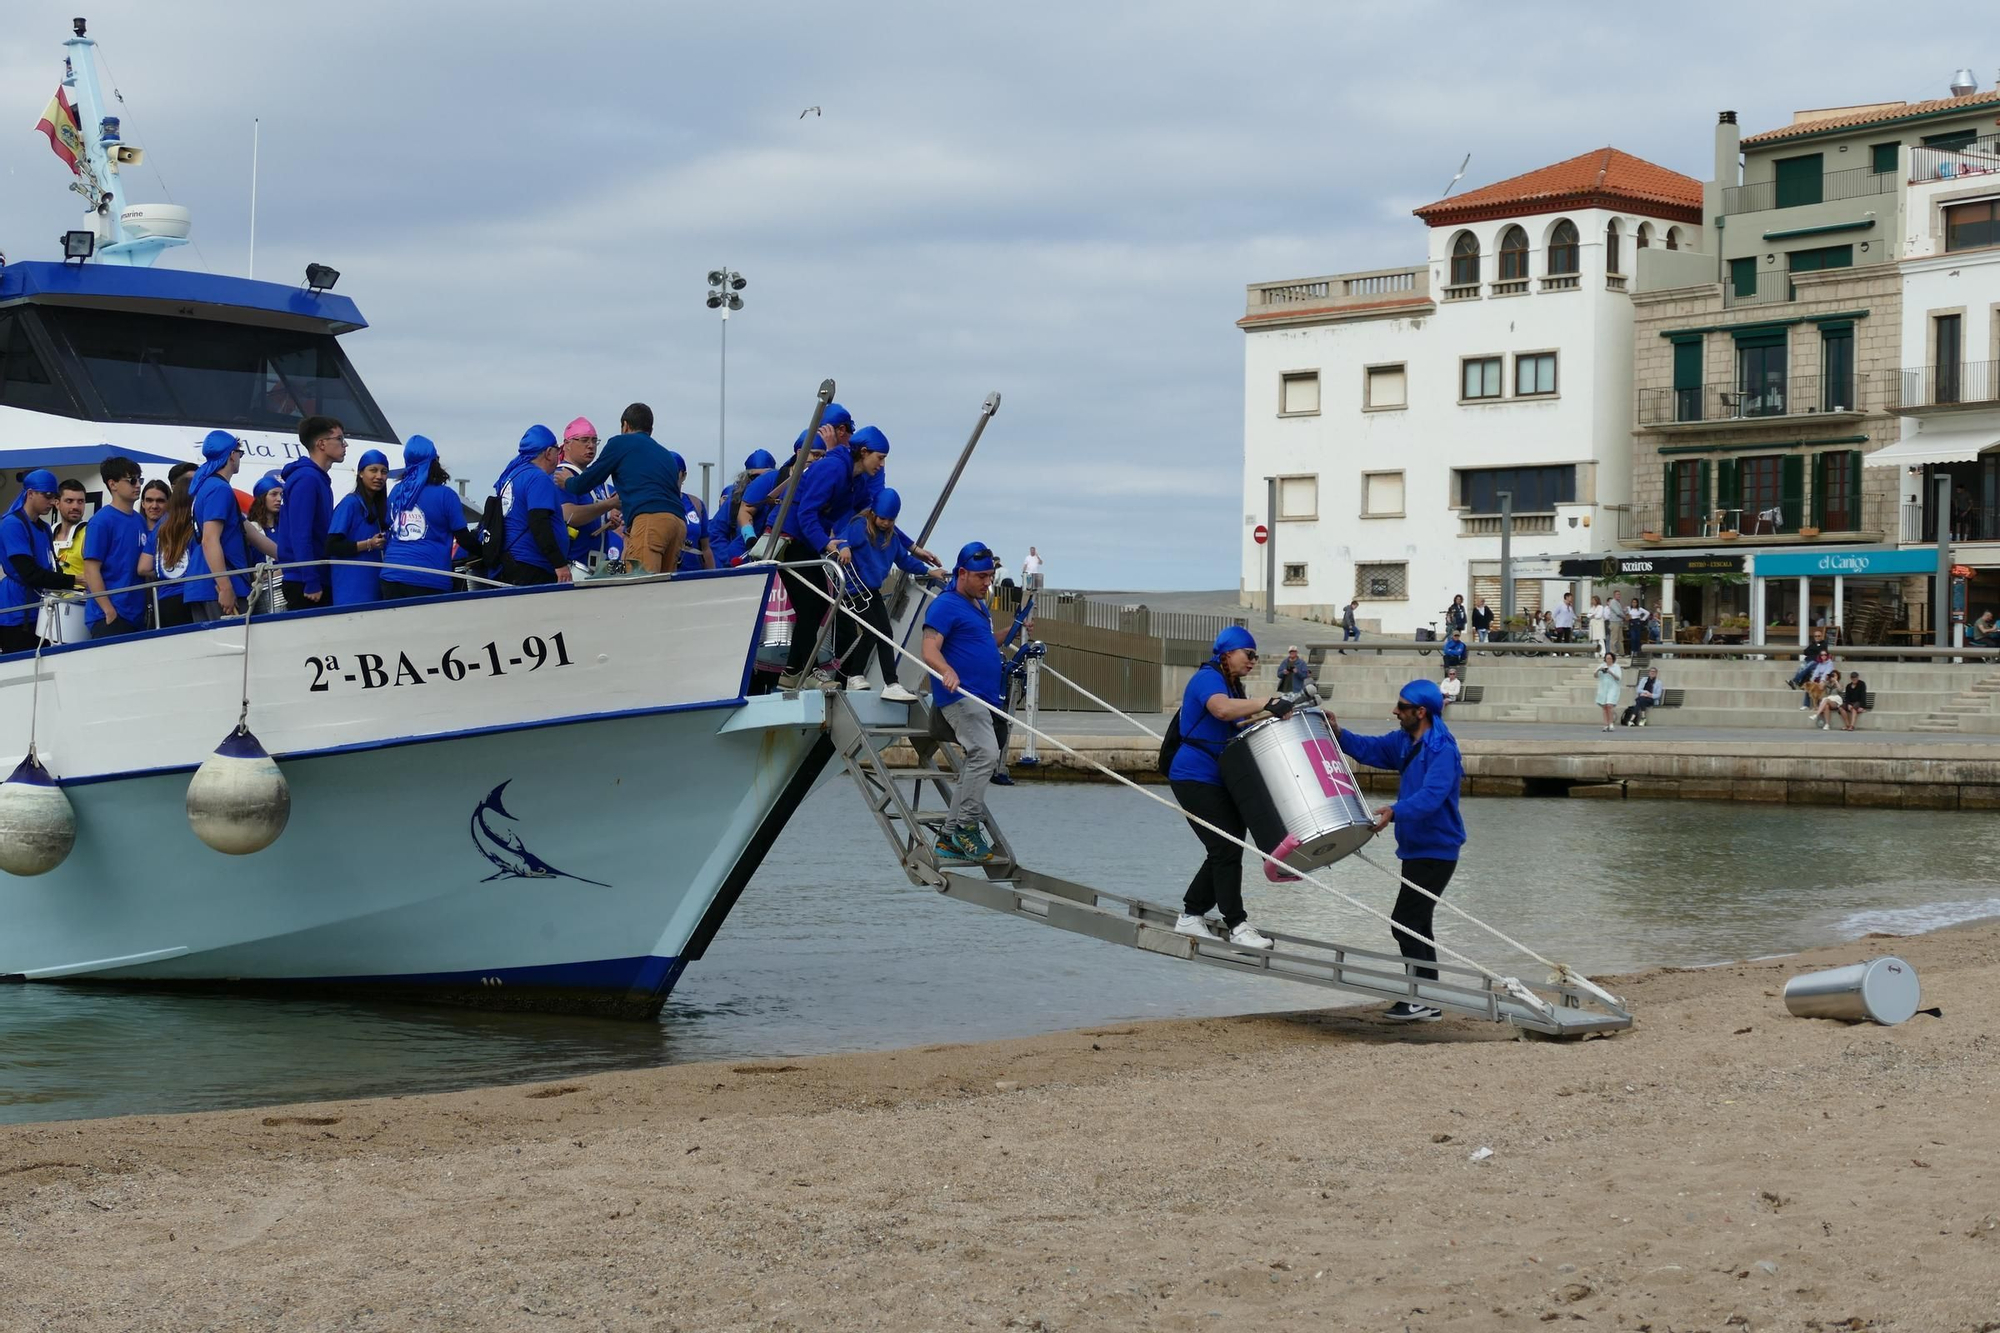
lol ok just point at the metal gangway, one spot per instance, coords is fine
(909, 800)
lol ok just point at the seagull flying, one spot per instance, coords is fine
(809, 111)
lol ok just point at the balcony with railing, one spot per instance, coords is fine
(1947, 388)
(1488, 525)
(1979, 157)
(1831, 187)
(1773, 400)
(1338, 293)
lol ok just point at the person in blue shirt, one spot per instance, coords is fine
(695, 552)
(425, 517)
(1429, 831)
(28, 553)
(359, 530)
(218, 532)
(962, 648)
(1213, 709)
(825, 497)
(537, 538)
(115, 556)
(728, 539)
(876, 546)
(649, 491)
(308, 511)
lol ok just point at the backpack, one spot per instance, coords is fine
(492, 534)
(1170, 744)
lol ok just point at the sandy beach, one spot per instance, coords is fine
(1722, 1166)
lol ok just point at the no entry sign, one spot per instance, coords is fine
(1260, 534)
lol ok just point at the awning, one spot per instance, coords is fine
(57, 457)
(1935, 446)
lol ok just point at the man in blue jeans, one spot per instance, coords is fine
(1429, 831)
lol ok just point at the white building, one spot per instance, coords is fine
(1394, 406)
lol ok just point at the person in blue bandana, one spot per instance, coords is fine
(218, 532)
(961, 647)
(1213, 709)
(1429, 831)
(359, 530)
(696, 553)
(114, 555)
(27, 549)
(826, 496)
(875, 546)
(537, 538)
(728, 539)
(309, 511)
(425, 517)
(764, 496)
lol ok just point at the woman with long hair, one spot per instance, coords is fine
(171, 541)
(358, 531)
(425, 517)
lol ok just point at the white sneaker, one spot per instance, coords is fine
(1249, 937)
(1195, 926)
(857, 683)
(896, 694)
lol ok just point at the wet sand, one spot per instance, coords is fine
(1721, 1166)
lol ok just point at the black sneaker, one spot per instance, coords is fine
(1002, 779)
(1404, 1012)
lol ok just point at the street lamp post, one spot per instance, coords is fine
(725, 287)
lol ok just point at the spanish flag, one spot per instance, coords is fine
(60, 123)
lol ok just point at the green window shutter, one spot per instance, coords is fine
(1743, 277)
(1826, 256)
(1701, 490)
(1818, 491)
(1670, 509)
(1799, 180)
(1729, 484)
(1854, 487)
(1792, 489)
(1687, 365)
(1882, 158)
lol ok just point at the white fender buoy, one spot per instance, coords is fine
(238, 802)
(37, 823)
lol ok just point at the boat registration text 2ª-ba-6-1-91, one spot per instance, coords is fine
(376, 671)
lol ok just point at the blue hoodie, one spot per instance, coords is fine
(871, 561)
(308, 515)
(825, 499)
(1426, 816)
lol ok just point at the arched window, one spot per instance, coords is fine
(1644, 239)
(1513, 254)
(1563, 249)
(1611, 256)
(1673, 238)
(1465, 260)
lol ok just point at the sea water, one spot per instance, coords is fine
(831, 949)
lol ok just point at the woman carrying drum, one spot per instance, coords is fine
(1213, 709)
(1429, 831)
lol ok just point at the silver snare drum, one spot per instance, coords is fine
(1296, 791)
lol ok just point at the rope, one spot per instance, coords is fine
(1511, 985)
(48, 604)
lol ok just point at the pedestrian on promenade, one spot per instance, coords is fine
(1451, 686)
(1610, 681)
(1565, 620)
(1596, 618)
(1648, 695)
(1482, 621)
(1031, 571)
(1853, 699)
(1350, 628)
(1636, 624)
(1454, 616)
(1293, 672)
(1614, 623)
(1429, 831)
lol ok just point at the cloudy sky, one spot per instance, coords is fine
(1061, 202)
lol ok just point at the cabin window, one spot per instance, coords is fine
(25, 381)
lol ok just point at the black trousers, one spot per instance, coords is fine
(19, 638)
(1413, 911)
(1219, 882)
(392, 590)
(847, 634)
(295, 594)
(809, 600)
(524, 575)
(174, 611)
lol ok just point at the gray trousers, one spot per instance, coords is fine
(973, 726)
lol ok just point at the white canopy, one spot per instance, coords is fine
(1935, 446)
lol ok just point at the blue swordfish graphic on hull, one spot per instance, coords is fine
(504, 848)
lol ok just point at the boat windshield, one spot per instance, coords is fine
(134, 365)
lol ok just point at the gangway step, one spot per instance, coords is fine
(1138, 924)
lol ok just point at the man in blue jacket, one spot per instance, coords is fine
(309, 510)
(827, 495)
(1429, 831)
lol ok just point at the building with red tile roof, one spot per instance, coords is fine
(1606, 178)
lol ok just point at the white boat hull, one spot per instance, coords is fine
(565, 838)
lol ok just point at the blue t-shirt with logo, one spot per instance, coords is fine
(354, 585)
(529, 489)
(116, 539)
(596, 535)
(697, 528)
(21, 535)
(968, 648)
(422, 535)
(216, 502)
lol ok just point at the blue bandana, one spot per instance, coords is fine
(216, 448)
(418, 455)
(533, 441)
(1427, 696)
(41, 480)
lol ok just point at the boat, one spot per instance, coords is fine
(539, 798)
